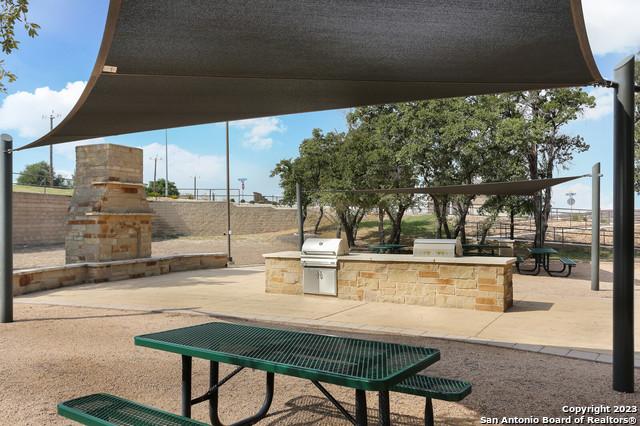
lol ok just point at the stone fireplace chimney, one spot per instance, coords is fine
(109, 217)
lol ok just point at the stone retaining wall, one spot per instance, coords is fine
(208, 218)
(469, 286)
(40, 219)
(38, 279)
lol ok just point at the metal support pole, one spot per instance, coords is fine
(6, 220)
(623, 227)
(300, 216)
(186, 386)
(166, 165)
(229, 258)
(595, 227)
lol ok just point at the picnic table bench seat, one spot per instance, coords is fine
(104, 409)
(433, 388)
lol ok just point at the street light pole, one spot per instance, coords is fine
(51, 117)
(229, 258)
(166, 165)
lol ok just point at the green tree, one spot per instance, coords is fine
(390, 166)
(13, 12)
(452, 141)
(37, 174)
(315, 155)
(158, 188)
(532, 125)
(349, 170)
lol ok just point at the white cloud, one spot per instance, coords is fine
(257, 132)
(604, 104)
(183, 165)
(612, 25)
(24, 111)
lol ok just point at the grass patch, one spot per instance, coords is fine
(42, 190)
(419, 226)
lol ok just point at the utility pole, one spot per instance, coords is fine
(155, 170)
(195, 187)
(571, 201)
(51, 117)
(229, 258)
(242, 181)
(166, 165)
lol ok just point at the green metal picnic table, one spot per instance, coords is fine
(542, 259)
(386, 248)
(363, 365)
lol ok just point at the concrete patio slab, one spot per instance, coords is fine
(553, 316)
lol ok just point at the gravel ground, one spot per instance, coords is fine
(245, 249)
(53, 353)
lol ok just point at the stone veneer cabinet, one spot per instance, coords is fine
(109, 217)
(480, 283)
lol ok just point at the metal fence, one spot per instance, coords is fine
(220, 194)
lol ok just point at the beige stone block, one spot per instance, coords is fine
(397, 275)
(490, 308)
(388, 291)
(291, 277)
(369, 283)
(347, 275)
(466, 292)
(445, 289)
(485, 301)
(465, 302)
(488, 272)
(391, 299)
(437, 281)
(429, 300)
(371, 295)
(457, 271)
(466, 283)
(490, 288)
(428, 274)
(387, 284)
(445, 300)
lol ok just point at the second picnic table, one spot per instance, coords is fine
(363, 365)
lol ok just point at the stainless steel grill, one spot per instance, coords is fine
(319, 258)
(424, 247)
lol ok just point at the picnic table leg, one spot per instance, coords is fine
(383, 408)
(361, 408)
(213, 400)
(186, 386)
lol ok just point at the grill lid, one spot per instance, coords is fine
(330, 247)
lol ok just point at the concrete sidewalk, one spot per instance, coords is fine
(559, 316)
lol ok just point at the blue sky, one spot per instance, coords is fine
(53, 67)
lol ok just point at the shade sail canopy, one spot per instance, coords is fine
(171, 63)
(520, 187)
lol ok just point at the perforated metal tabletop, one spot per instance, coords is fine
(355, 363)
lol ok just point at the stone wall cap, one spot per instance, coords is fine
(405, 258)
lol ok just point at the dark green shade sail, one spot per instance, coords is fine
(171, 63)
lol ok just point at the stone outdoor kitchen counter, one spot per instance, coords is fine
(470, 282)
